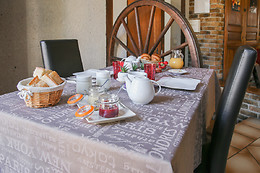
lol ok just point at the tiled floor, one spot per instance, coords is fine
(244, 151)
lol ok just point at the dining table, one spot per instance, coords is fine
(164, 136)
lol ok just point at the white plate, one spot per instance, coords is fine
(177, 71)
(179, 83)
(124, 113)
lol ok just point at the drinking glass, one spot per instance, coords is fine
(150, 70)
(117, 67)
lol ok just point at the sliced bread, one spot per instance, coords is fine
(41, 83)
(54, 75)
(39, 71)
(47, 79)
(34, 81)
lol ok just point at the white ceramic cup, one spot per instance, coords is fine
(83, 83)
(103, 77)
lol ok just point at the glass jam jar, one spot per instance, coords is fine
(94, 93)
(108, 105)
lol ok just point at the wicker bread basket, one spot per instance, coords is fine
(39, 97)
(150, 62)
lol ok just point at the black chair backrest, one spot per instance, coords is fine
(63, 56)
(229, 106)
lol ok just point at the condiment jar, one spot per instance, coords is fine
(103, 78)
(83, 83)
(108, 105)
(94, 93)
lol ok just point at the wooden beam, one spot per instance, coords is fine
(109, 24)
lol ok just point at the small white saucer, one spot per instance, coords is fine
(177, 71)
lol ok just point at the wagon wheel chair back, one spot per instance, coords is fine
(143, 47)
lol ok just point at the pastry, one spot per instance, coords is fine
(145, 56)
(155, 58)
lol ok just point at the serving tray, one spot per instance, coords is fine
(124, 113)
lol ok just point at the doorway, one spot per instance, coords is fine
(241, 27)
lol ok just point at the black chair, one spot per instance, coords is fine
(215, 154)
(63, 56)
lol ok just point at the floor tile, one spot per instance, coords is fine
(254, 122)
(247, 130)
(255, 152)
(232, 151)
(240, 141)
(241, 163)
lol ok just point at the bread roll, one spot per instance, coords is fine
(47, 79)
(54, 75)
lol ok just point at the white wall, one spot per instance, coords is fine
(25, 22)
(84, 20)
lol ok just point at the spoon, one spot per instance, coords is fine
(119, 89)
(104, 83)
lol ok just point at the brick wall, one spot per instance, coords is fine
(250, 107)
(211, 35)
(211, 40)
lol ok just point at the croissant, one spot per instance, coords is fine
(155, 58)
(145, 56)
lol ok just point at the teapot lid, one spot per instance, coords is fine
(139, 77)
(130, 58)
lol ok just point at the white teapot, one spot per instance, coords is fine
(141, 89)
(129, 61)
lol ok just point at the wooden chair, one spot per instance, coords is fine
(215, 154)
(143, 47)
(63, 56)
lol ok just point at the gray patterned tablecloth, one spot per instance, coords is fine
(166, 136)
